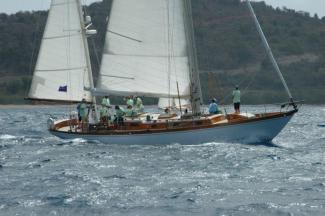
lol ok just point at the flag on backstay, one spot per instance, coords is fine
(63, 88)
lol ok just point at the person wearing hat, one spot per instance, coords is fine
(236, 99)
(213, 107)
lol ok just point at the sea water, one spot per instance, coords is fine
(44, 175)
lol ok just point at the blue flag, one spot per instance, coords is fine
(63, 88)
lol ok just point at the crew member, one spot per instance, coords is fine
(129, 112)
(129, 101)
(82, 113)
(106, 102)
(139, 105)
(236, 99)
(91, 118)
(119, 112)
(104, 111)
(213, 107)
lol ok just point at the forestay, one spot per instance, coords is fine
(146, 51)
(61, 71)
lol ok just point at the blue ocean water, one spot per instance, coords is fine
(43, 175)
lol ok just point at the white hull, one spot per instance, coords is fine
(262, 131)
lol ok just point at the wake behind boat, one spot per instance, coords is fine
(150, 52)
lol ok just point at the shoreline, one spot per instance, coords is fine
(29, 106)
(2, 106)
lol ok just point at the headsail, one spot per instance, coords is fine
(146, 51)
(61, 71)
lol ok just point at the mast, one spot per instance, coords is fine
(269, 52)
(87, 55)
(196, 94)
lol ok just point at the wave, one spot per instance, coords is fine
(7, 137)
(73, 141)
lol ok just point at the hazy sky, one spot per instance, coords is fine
(312, 6)
(12, 6)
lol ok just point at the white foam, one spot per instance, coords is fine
(7, 137)
(78, 140)
(32, 203)
(300, 178)
(74, 141)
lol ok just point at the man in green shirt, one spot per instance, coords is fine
(82, 113)
(83, 109)
(104, 111)
(104, 114)
(236, 99)
(129, 112)
(130, 101)
(139, 105)
(119, 113)
(106, 102)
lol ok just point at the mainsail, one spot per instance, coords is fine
(61, 71)
(146, 50)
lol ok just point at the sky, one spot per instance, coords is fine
(13, 6)
(311, 6)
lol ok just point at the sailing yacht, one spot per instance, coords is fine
(149, 51)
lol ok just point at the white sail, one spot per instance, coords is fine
(173, 103)
(146, 51)
(61, 71)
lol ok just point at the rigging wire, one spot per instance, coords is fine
(35, 37)
(244, 90)
(169, 52)
(68, 53)
(173, 48)
(92, 40)
(253, 76)
(172, 31)
(95, 51)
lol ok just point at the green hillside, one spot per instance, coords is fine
(229, 50)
